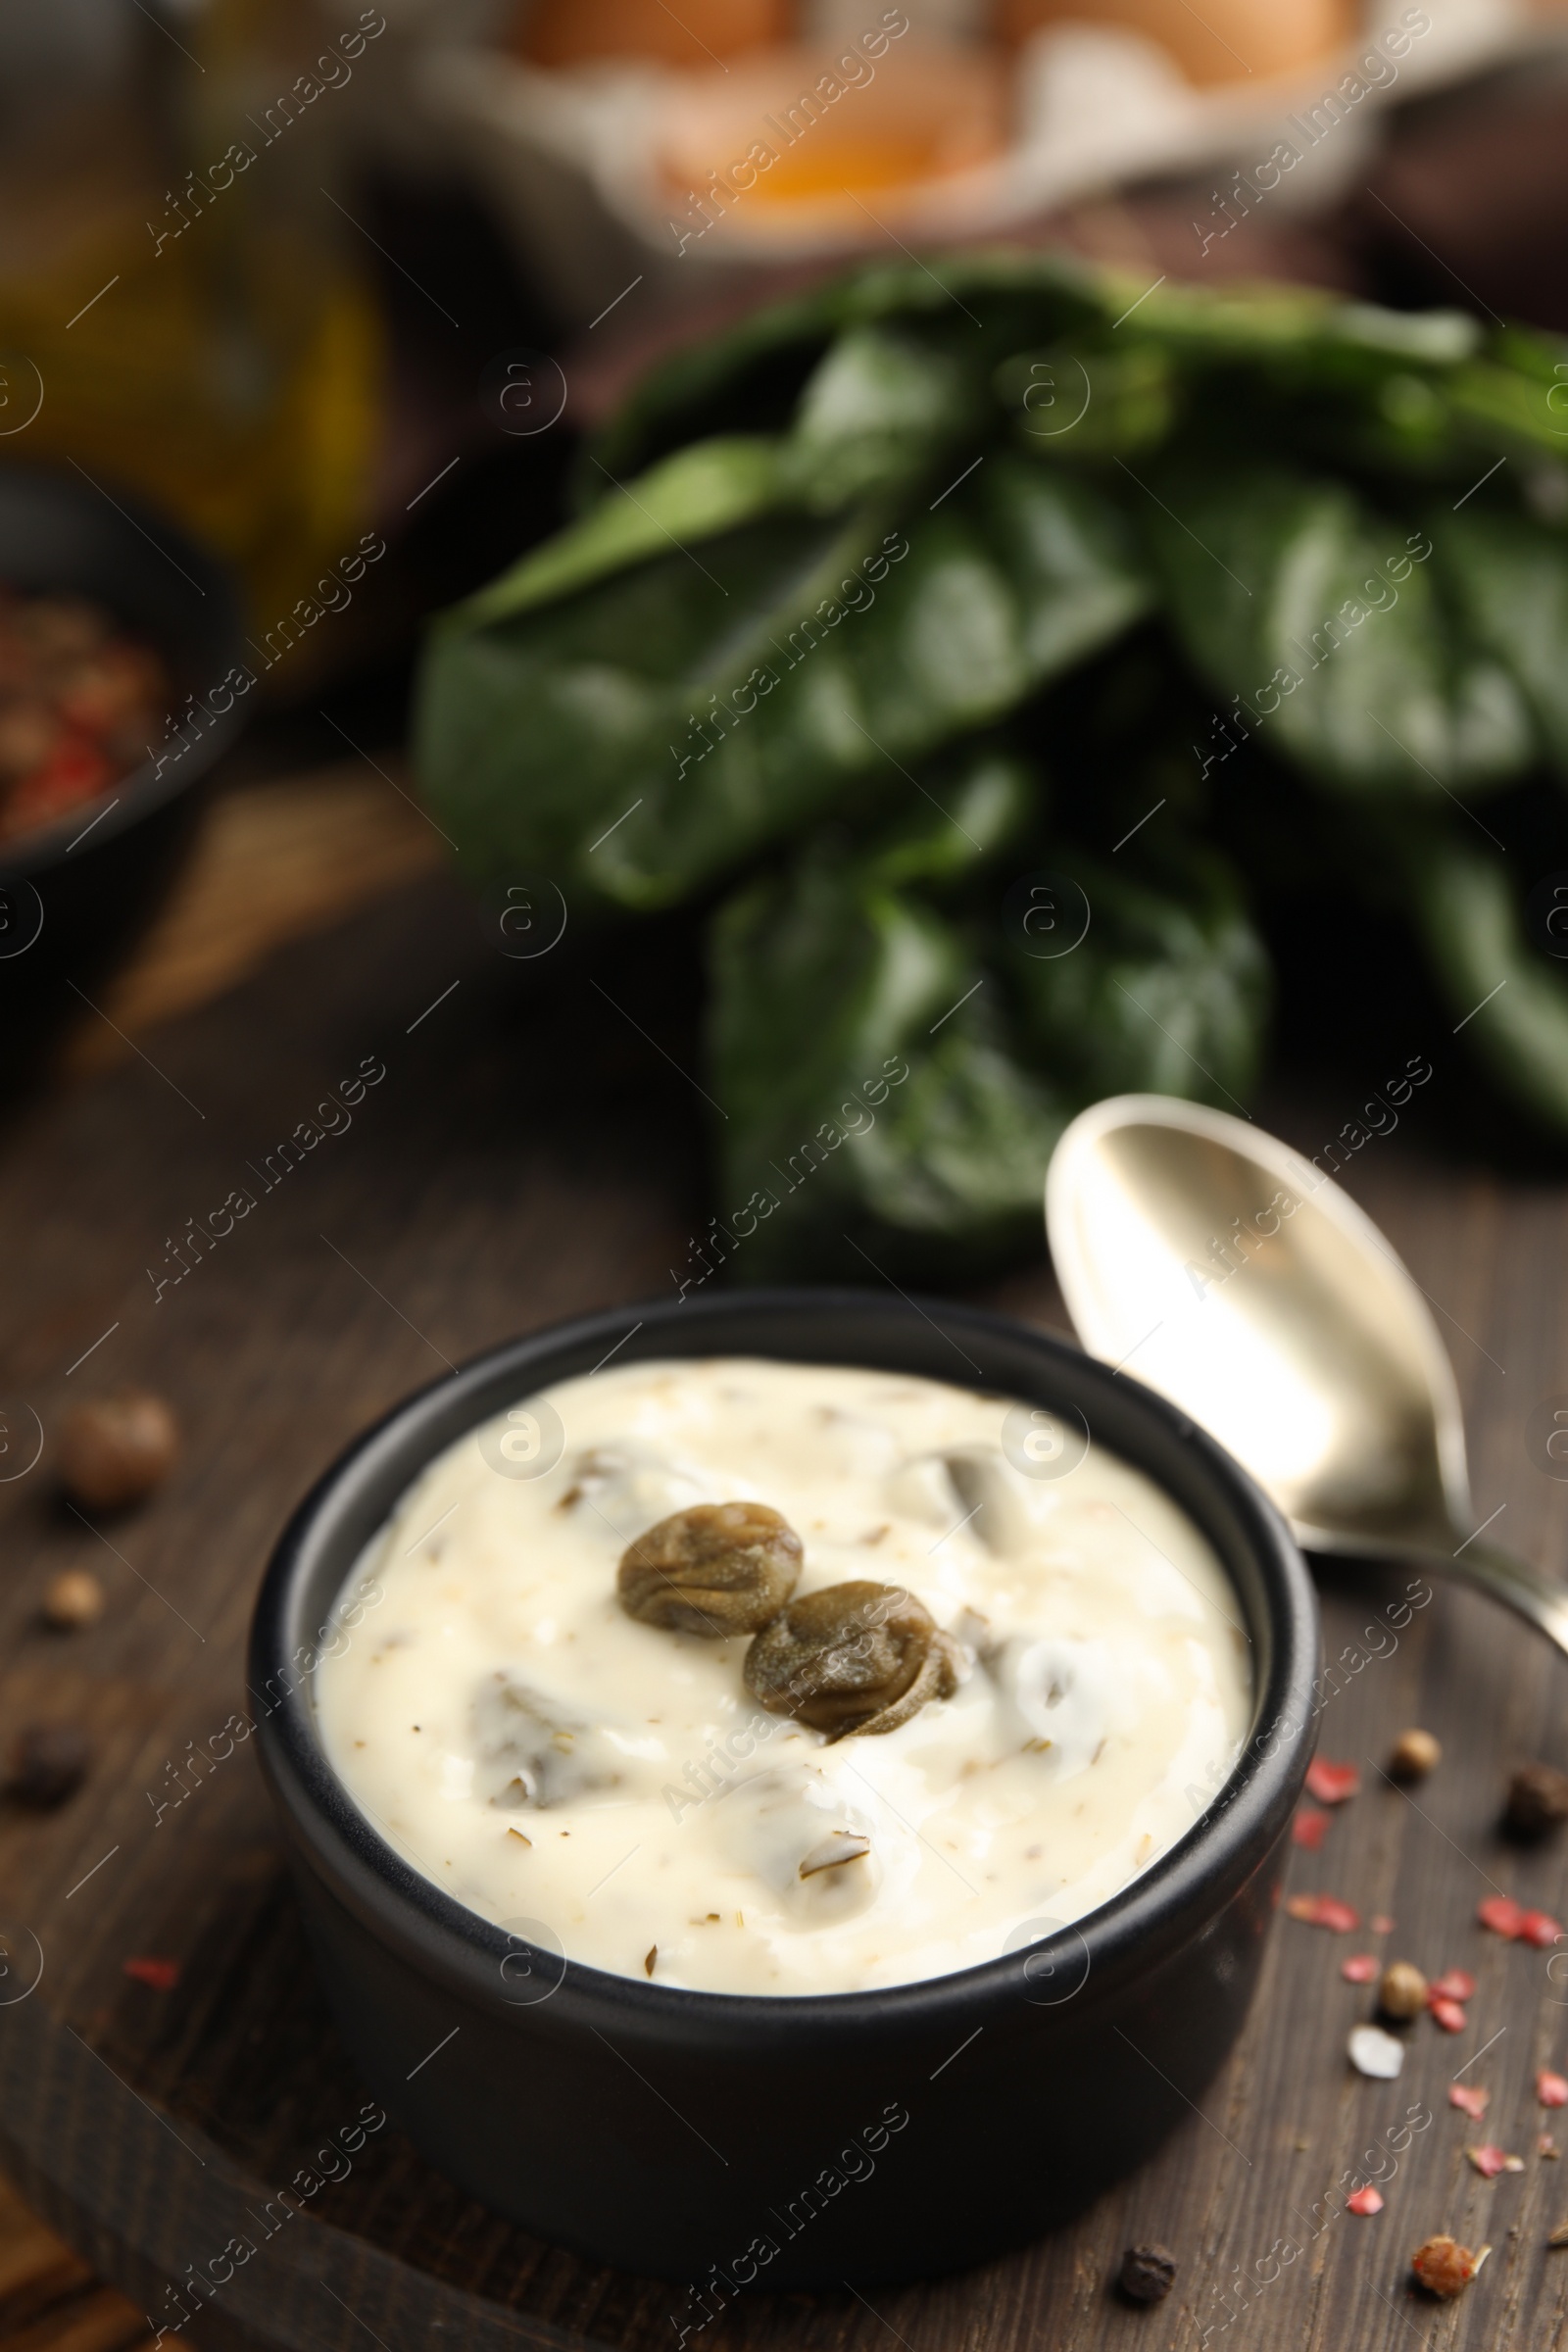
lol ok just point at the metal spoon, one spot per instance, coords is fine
(1219, 1266)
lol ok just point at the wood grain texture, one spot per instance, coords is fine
(527, 1154)
(273, 862)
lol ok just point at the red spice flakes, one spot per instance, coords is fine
(1551, 2090)
(1489, 2161)
(1380, 1924)
(1470, 2099)
(1445, 2267)
(1361, 1969)
(1364, 2200)
(1332, 1784)
(1454, 1984)
(162, 1975)
(1506, 1918)
(1450, 2015)
(1309, 1828)
(1324, 1911)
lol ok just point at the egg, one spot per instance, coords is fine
(577, 32)
(1228, 40)
(803, 124)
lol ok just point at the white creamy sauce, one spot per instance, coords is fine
(541, 1755)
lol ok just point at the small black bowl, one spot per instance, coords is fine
(726, 2139)
(74, 895)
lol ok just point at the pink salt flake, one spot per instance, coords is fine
(1332, 1784)
(1324, 1911)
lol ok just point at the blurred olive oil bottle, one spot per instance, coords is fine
(174, 281)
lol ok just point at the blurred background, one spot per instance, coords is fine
(299, 280)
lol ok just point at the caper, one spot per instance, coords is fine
(718, 1568)
(853, 1658)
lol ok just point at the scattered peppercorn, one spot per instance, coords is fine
(718, 1568)
(1415, 1754)
(116, 1449)
(73, 1599)
(1148, 2273)
(47, 1763)
(1445, 2267)
(1537, 1800)
(1402, 1991)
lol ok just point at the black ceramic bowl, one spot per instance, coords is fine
(74, 895)
(730, 2138)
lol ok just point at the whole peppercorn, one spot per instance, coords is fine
(1537, 1800)
(1148, 2273)
(1402, 1991)
(1415, 1754)
(1445, 2267)
(47, 1763)
(114, 1449)
(71, 1600)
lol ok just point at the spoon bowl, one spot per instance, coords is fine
(1218, 1265)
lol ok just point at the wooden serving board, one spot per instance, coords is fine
(530, 1152)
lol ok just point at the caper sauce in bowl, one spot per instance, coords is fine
(771, 1678)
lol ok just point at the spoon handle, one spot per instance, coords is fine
(1515, 1583)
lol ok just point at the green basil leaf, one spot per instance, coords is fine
(1308, 333)
(1168, 991)
(695, 495)
(1317, 621)
(1079, 402)
(704, 706)
(1509, 1003)
(969, 810)
(1513, 396)
(870, 1102)
(1509, 578)
(877, 412)
(752, 374)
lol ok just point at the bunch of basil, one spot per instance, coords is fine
(913, 634)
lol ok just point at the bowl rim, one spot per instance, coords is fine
(1228, 1840)
(143, 788)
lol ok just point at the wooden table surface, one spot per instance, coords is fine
(529, 1153)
